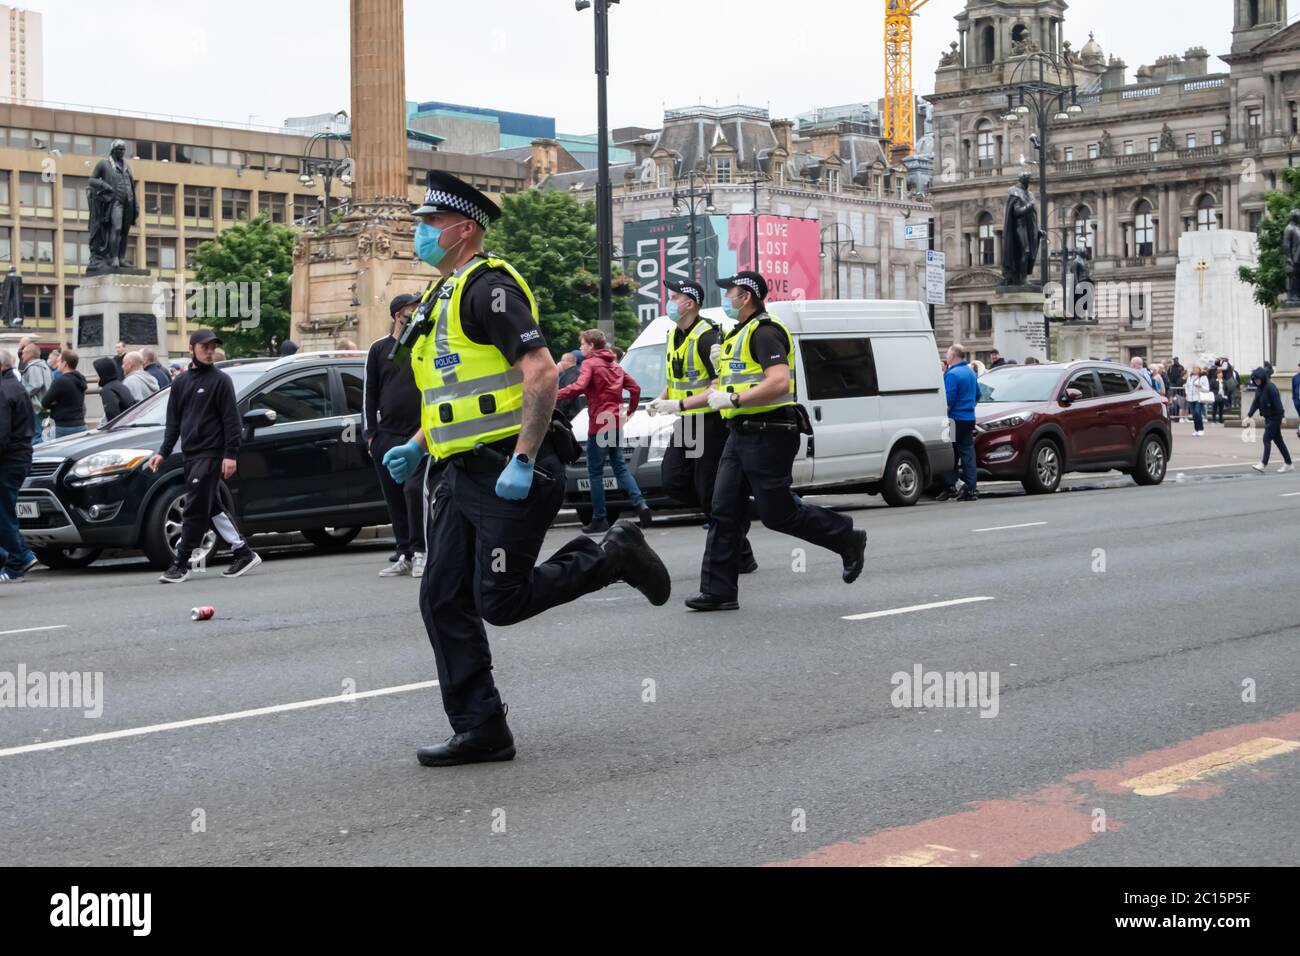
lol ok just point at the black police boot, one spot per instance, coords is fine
(636, 563)
(855, 558)
(707, 602)
(489, 741)
(596, 527)
(748, 566)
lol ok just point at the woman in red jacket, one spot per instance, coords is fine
(603, 381)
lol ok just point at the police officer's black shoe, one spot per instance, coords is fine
(596, 527)
(646, 517)
(637, 564)
(748, 567)
(707, 602)
(855, 559)
(489, 741)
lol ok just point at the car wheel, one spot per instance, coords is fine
(162, 531)
(1045, 468)
(67, 559)
(1153, 462)
(330, 539)
(903, 481)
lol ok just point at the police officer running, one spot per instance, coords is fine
(690, 464)
(488, 386)
(756, 396)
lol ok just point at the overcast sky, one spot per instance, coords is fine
(233, 60)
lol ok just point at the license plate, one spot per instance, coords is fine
(29, 509)
(609, 484)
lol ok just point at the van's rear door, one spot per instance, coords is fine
(840, 389)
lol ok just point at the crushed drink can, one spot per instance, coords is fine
(202, 613)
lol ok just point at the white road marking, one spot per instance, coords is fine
(29, 630)
(1009, 527)
(907, 610)
(1294, 494)
(214, 719)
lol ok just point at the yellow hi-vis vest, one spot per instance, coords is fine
(688, 372)
(469, 392)
(738, 372)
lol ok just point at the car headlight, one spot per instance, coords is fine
(111, 462)
(1011, 421)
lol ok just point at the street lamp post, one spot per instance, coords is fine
(604, 191)
(837, 242)
(326, 166)
(758, 178)
(1049, 102)
(692, 195)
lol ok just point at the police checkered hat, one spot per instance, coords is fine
(750, 281)
(446, 193)
(689, 288)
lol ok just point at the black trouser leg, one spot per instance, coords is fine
(1273, 436)
(690, 467)
(405, 501)
(202, 480)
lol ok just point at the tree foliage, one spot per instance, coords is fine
(253, 261)
(1269, 277)
(551, 239)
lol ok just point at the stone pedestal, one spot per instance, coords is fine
(117, 306)
(1018, 327)
(1286, 324)
(1079, 342)
(1215, 313)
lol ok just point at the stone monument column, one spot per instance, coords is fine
(378, 100)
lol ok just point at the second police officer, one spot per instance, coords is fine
(756, 394)
(488, 384)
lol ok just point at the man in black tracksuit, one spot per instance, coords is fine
(202, 413)
(391, 415)
(1268, 402)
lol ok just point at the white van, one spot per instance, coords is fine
(868, 374)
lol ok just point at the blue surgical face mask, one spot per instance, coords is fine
(732, 310)
(426, 243)
(674, 313)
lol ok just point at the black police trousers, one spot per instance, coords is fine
(763, 460)
(690, 467)
(482, 566)
(406, 500)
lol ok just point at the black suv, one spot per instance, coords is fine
(303, 466)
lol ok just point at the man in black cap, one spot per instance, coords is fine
(690, 464)
(390, 414)
(756, 394)
(202, 414)
(487, 386)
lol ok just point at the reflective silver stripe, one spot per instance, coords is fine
(443, 434)
(449, 391)
(744, 379)
(693, 383)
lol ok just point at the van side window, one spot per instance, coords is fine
(839, 368)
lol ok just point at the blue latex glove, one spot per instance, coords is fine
(516, 480)
(401, 461)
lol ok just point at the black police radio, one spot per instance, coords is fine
(419, 325)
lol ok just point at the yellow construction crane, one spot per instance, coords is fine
(900, 105)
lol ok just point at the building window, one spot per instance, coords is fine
(1093, 151)
(35, 196)
(1069, 154)
(160, 202)
(985, 317)
(1128, 147)
(661, 175)
(987, 246)
(4, 192)
(6, 249)
(833, 180)
(1217, 137)
(1253, 220)
(1191, 140)
(984, 144)
(1144, 231)
(76, 200)
(76, 250)
(191, 247)
(1153, 144)
(305, 209)
(198, 205)
(1207, 217)
(273, 205)
(160, 253)
(37, 249)
(38, 305)
(1254, 124)
(235, 204)
(722, 170)
(1295, 117)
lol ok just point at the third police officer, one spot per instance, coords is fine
(488, 385)
(756, 394)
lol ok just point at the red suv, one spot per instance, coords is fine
(1034, 423)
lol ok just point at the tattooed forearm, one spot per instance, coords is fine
(540, 386)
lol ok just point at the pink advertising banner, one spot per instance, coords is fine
(789, 254)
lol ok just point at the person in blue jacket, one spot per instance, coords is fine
(960, 383)
(1295, 398)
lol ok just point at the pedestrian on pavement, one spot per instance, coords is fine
(119, 358)
(1032, 360)
(53, 361)
(154, 367)
(202, 414)
(603, 381)
(288, 347)
(689, 469)
(66, 399)
(757, 396)
(391, 414)
(1139, 365)
(996, 360)
(962, 388)
(1197, 388)
(116, 397)
(17, 425)
(347, 345)
(1176, 379)
(487, 384)
(1158, 379)
(1268, 402)
(1220, 387)
(570, 366)
(1295, 398)
(37, 379)
(977, 367)
(140, 383)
